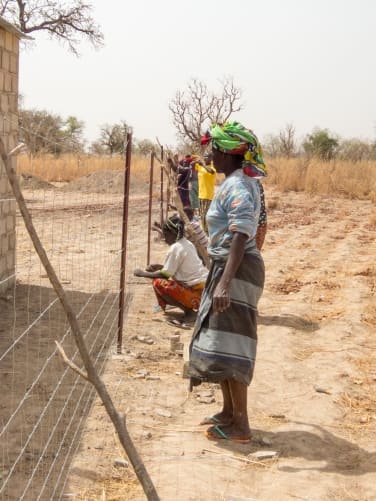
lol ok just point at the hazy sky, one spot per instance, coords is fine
(307, 62)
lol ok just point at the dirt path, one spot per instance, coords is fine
(312, 400)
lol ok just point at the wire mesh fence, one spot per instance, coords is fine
(44, 403)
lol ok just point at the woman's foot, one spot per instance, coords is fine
(232, 432)
(189, 317)
(221, 418)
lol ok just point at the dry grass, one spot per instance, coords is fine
(351, 493)
(69, 167)
(369, 315)
(372, 220)
(273, 203)
(118, 487)
(325, 178)
(304, 353)
(296, 174)
(359, 401)
(288, 286)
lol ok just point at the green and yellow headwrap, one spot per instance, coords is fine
(233, 138)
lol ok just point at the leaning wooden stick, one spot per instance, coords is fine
(92, 375)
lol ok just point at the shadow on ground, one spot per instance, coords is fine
(319, 445)
(292, 321)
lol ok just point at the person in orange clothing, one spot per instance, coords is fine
(178, 282)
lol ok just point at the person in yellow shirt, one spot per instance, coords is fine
(206, 183)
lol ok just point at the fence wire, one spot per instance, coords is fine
(44, 404)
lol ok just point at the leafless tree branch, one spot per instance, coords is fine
(67, 23)
(192, 110)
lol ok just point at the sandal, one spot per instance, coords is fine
(216, 433)
(177, 323)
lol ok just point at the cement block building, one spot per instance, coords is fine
(9, 62)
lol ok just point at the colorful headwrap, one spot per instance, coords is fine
(233, 138)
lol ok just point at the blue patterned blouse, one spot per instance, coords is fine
(235, 208)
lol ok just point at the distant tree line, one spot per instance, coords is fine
(320, 143)
(45, 132)
(192, 112)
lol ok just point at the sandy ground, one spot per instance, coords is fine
(312, 400)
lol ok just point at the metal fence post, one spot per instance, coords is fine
(128, 153)
(161, 195)
(151, 179)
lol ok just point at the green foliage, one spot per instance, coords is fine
(45, 132)
(145, 147)
(74, 130)
(321, 144)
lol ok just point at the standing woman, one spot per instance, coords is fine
(223, 347)
(206, 186)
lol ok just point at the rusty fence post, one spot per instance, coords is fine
(168, 191)
(151, 179)
(162, 183)
(124, 236)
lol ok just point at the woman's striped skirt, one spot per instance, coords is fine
(224, 344)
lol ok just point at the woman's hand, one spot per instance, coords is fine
(138, 272)
(221, 298)
(154, 267)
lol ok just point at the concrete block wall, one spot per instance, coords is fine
(9, 47)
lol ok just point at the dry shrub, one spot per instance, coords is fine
(349, 179)
(273, 203)
(69, 167)
(289, 286)
(288, 174)
(359, 401)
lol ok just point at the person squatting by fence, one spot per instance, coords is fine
(223, 346)
(194, 224)
(181, 279)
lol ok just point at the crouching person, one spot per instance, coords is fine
(181, 279)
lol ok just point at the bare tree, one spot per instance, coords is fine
(287, 142)
(283, 144)
(113, 137)
(64, 21)
(193, 109)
